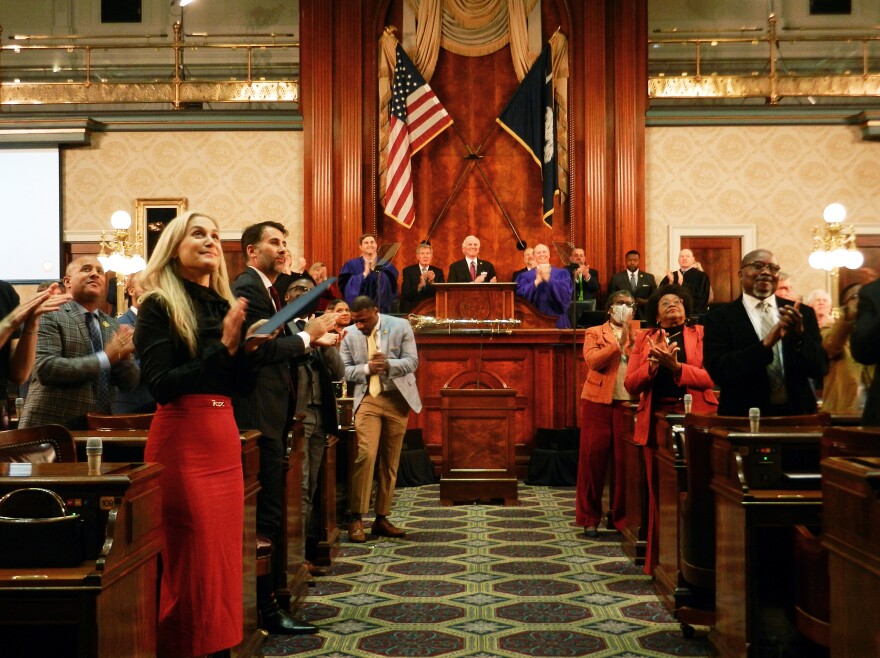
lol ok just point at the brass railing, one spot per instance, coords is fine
(814, 65)
(198, 69)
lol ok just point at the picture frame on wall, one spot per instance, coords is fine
(153, 216)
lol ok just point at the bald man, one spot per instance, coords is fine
(693, 278)
(82, 353)
(762, 350)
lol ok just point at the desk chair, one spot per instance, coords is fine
(46, 443)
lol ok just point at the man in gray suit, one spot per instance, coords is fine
(82, 353)
(381, 359)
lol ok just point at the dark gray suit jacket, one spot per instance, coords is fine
(864, 342)
(737, 361)
(65, 377)
(645, 287)
(267, 408)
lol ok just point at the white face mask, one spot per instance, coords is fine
(621, 314)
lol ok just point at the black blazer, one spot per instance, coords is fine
(460, 273)
(591, 287)
(737, 361)
(410, 295)
(267, 408)
(515, 275)
(864, 342)
(645, 287)
(697, 282)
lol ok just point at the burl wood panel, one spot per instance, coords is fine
(478, 446)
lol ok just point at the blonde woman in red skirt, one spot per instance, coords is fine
(188, 335)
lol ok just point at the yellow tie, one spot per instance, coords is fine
(375, 382)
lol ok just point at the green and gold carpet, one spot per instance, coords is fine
(486, 581)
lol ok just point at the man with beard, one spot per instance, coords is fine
(762, 350)
(82, 353)
(270, 406)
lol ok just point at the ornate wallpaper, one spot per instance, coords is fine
(235, 177)
(777, 178)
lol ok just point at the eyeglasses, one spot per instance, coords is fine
(298, 289)
(630, 304)
(760, 266)
(671, 302)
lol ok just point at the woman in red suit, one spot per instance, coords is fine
(665, 365)
(188, 335)
(603, 422)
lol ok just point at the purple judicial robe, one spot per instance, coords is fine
(551, 297)
(353, 283)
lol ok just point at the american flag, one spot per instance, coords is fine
(417, 117)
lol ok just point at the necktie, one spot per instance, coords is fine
(579, 280)
(473, 270)
(375, 382)
(102, 394)
(632, 281)
(276, 299)
(774, 371)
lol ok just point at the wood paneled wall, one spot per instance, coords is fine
(607, 95)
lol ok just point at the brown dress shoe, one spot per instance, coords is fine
(384, 528)
(356, 532)
(314, 570)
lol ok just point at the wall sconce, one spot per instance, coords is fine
(121, 253)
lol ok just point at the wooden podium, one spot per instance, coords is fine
(474, 301)
(478, 445)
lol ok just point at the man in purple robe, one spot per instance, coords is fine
(548, 288)
(360, 276)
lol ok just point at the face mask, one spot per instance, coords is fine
(621, 314)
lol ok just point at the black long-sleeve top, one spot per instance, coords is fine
(166, 365)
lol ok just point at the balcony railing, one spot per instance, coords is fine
(767, 65)
(150, 69)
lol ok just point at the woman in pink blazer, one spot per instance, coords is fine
(603, 422)
(665, 365)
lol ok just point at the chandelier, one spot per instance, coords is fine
(121, 253)
(834, 244)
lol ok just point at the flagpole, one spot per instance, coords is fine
(471, 160)
(475, 157)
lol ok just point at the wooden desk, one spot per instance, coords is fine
(107, 606)
(753, 540)
(852, 535)
(536, 363)
(634, 539)
(690, 604)
(128, 445)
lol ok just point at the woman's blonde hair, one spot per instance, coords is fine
(162, 280)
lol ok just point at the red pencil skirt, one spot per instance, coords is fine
(200, 603)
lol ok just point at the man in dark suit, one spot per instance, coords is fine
(419, 279)
(762, 350)
(586, 279)
(138, 400)
(269, 408)
(691, 276)
(640, 284)
(864, 342)
(82, 353)
(528, 260)
(471, 268)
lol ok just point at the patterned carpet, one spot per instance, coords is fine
(486, 581)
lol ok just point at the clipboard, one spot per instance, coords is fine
(292, 310)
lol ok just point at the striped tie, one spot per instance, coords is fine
(375, 381)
